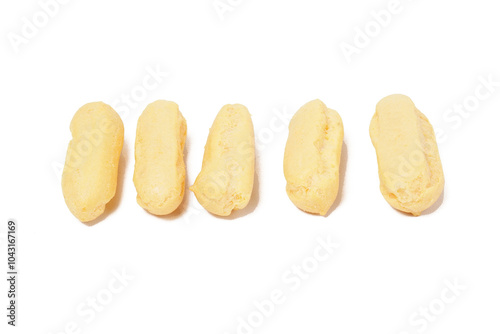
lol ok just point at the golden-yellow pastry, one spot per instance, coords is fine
(160, 173)
(91, 170)
(312, 157)
(410, 171)
(226, 179)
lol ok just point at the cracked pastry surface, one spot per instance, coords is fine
(312, 157)
(410, 170)
(226, 179)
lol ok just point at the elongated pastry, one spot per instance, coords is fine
(160, 172)
(410, 171)
(312, 157)
(91, 170)
(226, 179)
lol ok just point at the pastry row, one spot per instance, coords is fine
(410, 171)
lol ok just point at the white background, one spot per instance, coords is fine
(195, 273)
